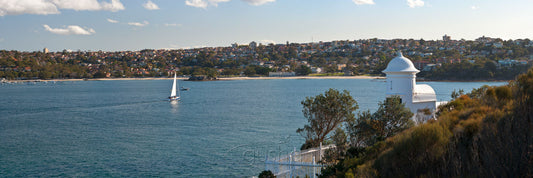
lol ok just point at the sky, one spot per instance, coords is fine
(118, 25)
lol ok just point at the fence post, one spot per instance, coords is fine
(320, 152)
(314, 168)
(290, 165)
(266, 161)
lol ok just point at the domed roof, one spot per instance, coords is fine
(400, 64)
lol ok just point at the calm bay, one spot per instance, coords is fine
(127, 128)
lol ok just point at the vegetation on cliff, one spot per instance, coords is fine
(488, 132)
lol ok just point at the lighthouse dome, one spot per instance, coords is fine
(400, 64)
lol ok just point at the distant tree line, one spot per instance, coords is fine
(478, 70)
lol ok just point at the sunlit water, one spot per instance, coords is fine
(127, 128)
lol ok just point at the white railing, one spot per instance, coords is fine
(297, 163)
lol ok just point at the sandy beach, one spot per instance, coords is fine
(222, 78)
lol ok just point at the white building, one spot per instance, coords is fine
(401, 81)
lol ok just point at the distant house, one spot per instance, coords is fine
(316, 70)
(522, 62)
(498, 45)
(257, 63)
(421, 64)
(429, 67)
(341, 66)
(506, 62)
(281, 74)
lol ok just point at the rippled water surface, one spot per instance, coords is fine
(127, 128)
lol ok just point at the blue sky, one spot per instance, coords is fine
(113, 25)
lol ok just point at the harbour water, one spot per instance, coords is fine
(127, 128)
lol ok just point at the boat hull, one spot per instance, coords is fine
(173, 98)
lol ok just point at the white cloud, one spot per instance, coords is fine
(172, 25)
(114, 6)
(415, 3)
(362, 2)
(91, 5)
(70, 30)
(150, 5)
(77, 5)
(266, 42)
(475, 8)
(258, 2)
(44, 7)
(17, 7)
(112, 21)
(196, 3)
(215, 2)
(138, 24)
(205, 3)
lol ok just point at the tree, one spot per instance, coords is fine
(262, 70)
(249, 71)
(330, 69)
(303, 70)
(325, 113)
(99, 74)
(339, 138)
(359, 130)
(456, 94)
(392, 117)
(266, 174)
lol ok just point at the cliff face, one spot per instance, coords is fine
(487, 133)
(503, 144)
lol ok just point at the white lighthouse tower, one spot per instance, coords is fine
(401, 81)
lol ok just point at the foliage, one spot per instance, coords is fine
(480, 70)
(367, 133)
(419, 146)
(254, 70)
(485, 133)
(339, 138)
(303, 70)
(478, 60)
(392, 117)
(266, 174)
(456, 94)
(324, 113)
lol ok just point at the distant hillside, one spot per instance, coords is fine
(486, 133)
(479, 70)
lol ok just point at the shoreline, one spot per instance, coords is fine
(243, 78)
(462, 80)
(218, 79)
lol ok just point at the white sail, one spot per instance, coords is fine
(173, 92)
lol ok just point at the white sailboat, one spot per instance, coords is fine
(173, 96)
